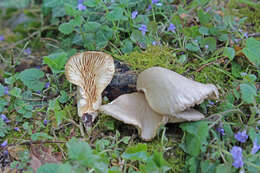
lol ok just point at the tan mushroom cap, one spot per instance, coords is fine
(91, 71)
(170, 93)
(133, 109)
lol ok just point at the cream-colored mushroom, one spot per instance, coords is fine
(133, 109)
(91, 71)
(171, 94)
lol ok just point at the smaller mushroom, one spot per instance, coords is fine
(170, 93)
(133, 109)
(91, 71)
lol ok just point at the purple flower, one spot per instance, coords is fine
(155, 1)
(143, 28)
(2, 37)
(5, 152)
(156, 43)
(6, 91)
(27, 51)
(5, 119)
(47, 85)
(206, 46)
(149, 8)
(171, 28)
(237, 156)
(241, 136)
(81, 7)
(246, 35)
(45, 122)
(256, 147)
(221, 131)
(4, 144)
(134, 14)
(17, 129)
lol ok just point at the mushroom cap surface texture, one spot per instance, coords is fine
(91, 71)
(170, 93)
(133, 109)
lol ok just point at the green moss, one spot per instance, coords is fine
(161, 56)
(250, 11)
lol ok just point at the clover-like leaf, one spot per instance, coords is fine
(31, 78)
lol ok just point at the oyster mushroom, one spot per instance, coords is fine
(171, 94)
(91, 71)
(133, 109)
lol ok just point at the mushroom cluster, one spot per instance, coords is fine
(162, 95)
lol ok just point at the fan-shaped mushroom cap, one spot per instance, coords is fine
(133, 109)
(187, 115)
(91, 71)
(170, 93)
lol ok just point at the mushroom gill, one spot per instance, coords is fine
(91, 71)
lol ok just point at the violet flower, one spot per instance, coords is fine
(156, 43)
(149, 8)
(237, 156)
(241, 136)
(47, 85)
(16, 129)
(134, 14)
(143, 28)
(5, 119)
(27, 51)
(6, 92)
(4, 144)
(256, 147)
(206, 46)
(45, 122)
(2, 37)
(171, 28)
(221, 131)
(81, 7)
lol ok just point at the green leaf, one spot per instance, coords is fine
(56, 61)
(65, 168)
(91, 3)
(77, 21)
(116, 14)
(223, 168)
(16, 92)
(92, 26)
(252, 51)
(192, 47)
(2, 90)
(248, 93)
(3, 103)
(48, 168)
(211, 42)
(40, 136)
(3, 128)
(204, 17)
(63, 97)
(196, 136)
(127, 46)
(229, 52)
(60, 115)
(207, 166)
(138, 152)
(204, 30)
(66, 28)
(31, 78)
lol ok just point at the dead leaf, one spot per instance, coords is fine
(14, 151)
(41, 155)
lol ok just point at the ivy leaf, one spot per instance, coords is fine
(31, 77)
(66, 28)
(211, 42)
(3, 103)
(248, 93)
(223, 168)
(252, 51)
(16, 92)
(48, 168)
(229, 52)
(138, 152)
(116, 14)
(196, 136)
(56, 61)
(204, 30)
